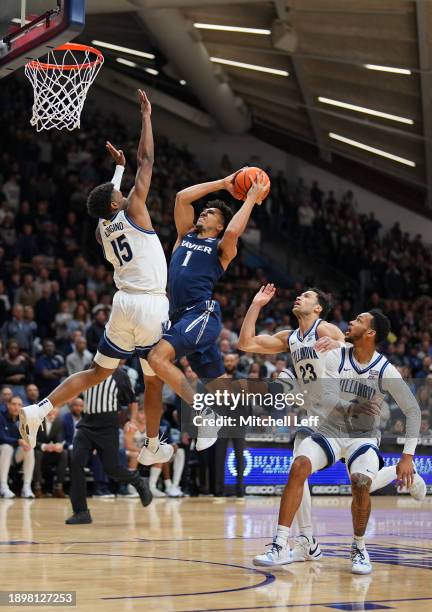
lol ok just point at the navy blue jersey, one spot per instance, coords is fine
(194, 269)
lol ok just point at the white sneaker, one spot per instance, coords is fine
(131, 491)
(7, 493)
(207, 434)
(29, 423)
(277, 555)
(306, 550)
(175, 491)
(157, 492)
(27, 493)
(418, 488)
(162, 454)
(360, 560)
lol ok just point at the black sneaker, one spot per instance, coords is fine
(143, 490)
(79, 518)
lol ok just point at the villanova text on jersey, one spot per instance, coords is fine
(194, 269)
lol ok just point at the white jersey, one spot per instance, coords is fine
(136, 254)
(309, 365)
(347, 382)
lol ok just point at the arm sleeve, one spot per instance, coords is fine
(393, 383)
(117, 178)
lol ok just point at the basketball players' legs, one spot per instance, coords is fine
(161, 360)
(152, 402)
(363, 465)
(304, 514)
(313, 455)
(116, 343)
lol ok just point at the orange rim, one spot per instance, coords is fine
(69, 47)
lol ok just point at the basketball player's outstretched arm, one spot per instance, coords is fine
(265, 344)
(183, 210)
(394, 384)
(237, 225)
(136, 208)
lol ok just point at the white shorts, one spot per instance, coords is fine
(136, 323)
(361, 454)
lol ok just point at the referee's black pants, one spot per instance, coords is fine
(239, 445)
(106, 441)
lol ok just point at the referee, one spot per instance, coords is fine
(99, 429)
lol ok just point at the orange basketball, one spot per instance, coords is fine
(244, 180)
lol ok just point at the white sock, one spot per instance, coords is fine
(282, 535)
(155, 472)
(45, 406)
(28, 468)
(360, 541)
(178, 465)
(385, 476)
(6, 456)
(304, 513)
(168, 484)
(153, 444)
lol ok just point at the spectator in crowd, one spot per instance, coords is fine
(14, 449)
(50, 454)
(80, 358)
(49, 369)
(5, 395)
(15, 369)
(32, 394)
(96, 329)
(71, 420)
(18, 330)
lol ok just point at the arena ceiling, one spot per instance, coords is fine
(343, 81)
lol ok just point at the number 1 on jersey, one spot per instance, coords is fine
(186, 259)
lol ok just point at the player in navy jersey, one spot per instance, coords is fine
(202, 253)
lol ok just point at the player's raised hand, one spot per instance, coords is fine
(405, 470)
(264, 295)
(116, 154)
(259, 189)
(230, 180)
(325, 344)
(146, 108)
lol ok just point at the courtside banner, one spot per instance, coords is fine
(369, 406)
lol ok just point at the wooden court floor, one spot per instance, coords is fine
(196, 554)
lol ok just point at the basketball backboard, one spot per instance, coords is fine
(31, 28)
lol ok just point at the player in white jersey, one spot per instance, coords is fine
(309, 308)
(140, 306)
(352, 390)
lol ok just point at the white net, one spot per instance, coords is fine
(61, 84)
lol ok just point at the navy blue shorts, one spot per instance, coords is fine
(194, 333)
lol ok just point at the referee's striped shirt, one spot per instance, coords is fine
(102, 402)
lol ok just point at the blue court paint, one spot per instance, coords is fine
(360, 606)
(311, 605)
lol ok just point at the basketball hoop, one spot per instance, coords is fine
(61, 85)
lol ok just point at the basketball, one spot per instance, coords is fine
(243, 182)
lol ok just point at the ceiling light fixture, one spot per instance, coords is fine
(225, 28)
(387, 69)
(126, 62)
(366, 111)
(219, 60)
(99, 43)
(360, 145)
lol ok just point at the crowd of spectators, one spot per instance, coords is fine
(56, 289)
